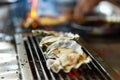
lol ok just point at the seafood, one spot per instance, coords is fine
(43, 33)
(54, 36)
(65, 55)
(50, 39)
(62, 51)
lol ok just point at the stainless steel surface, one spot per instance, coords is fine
(9, 69)
(25, 70)
(5, 37)
(39, 67)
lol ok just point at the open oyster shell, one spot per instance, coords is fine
(50, 39)
(43, 33)
(66, 44)
(65, 55)
(54, 65)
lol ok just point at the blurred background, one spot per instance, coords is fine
(100, 29)
(24, 15)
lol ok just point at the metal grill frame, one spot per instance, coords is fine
(48, 75)
(25, 71)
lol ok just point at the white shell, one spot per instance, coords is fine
(55, 36)
(40, 32)
(67, 44)
(62, 60)
(51, 65)
(55, 33)
(70, 35)
(51, 39)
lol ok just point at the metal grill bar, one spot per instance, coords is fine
(23, 59)
(40, 60)
(98, 70)
(43, 58)
(93, 73)
(101, 75)
(36, 60)
(98, 67)
(35, 65)
(90, 71)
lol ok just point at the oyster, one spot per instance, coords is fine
(54, 65)
(67, 43)
(43, 33)
(50, 39)
(60, 36)
(62, 51)
(65, 55)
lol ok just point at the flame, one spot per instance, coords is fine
(33, 12)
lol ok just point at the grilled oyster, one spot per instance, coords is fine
(56, 37)
(65, 59)
(67, 43)
(43, 33)
(50, 39)
(69, 55)
(54, 65)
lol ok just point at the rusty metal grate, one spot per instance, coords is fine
(37, 61)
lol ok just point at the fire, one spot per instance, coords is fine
(33, 12)
(34, 20)
(32, 15)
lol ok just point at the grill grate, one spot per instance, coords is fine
(37, 60)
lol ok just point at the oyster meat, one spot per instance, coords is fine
(67, 53)
(65, 59)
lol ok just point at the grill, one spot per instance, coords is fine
(30, 54)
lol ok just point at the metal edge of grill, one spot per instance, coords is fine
(37, 62)
(25, 71)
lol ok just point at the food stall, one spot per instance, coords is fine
(44, 43)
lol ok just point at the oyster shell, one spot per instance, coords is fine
(50, 39)
(66, 44)
(43, 33)
(54, 65)
(70, 35)
(67, 53)
(62, 50)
